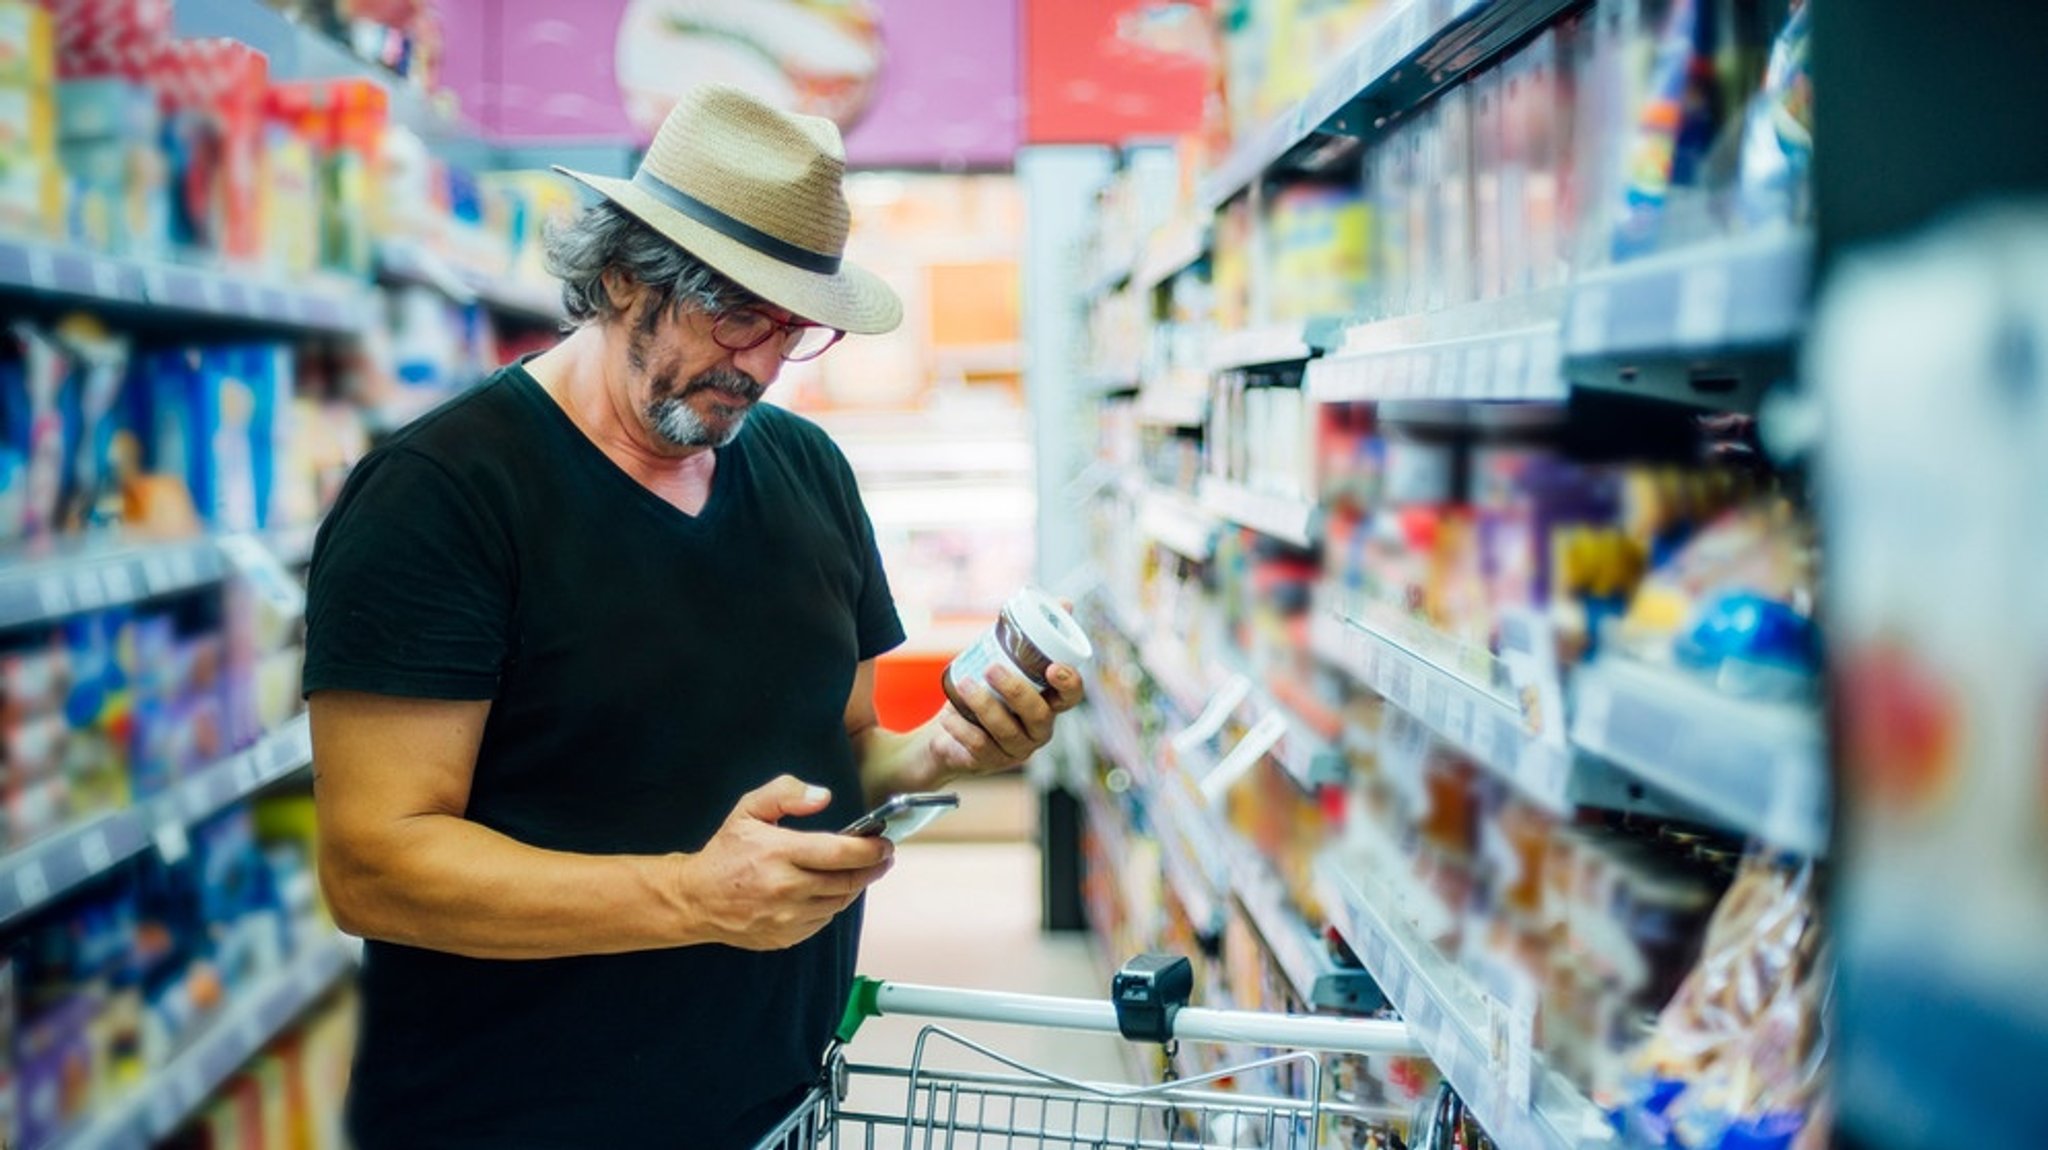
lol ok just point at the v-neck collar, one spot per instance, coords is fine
(726, 475)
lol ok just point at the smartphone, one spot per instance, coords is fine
(903, 816)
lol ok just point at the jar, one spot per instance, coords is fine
(1031, 634)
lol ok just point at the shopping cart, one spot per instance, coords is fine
(926, 1107)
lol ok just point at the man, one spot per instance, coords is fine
(590, 662)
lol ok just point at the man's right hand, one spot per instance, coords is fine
(758, 886)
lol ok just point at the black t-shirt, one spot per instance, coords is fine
(645, 669)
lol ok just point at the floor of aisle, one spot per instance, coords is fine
(966, 914)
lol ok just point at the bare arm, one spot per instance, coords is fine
(1017, 719)
(401, 863)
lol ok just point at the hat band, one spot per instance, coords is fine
(734, 229)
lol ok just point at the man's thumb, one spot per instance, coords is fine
(787, 795)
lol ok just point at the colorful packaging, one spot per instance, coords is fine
(28, 51)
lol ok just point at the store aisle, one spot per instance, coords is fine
(966, 914)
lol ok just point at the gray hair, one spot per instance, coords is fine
(604, 237)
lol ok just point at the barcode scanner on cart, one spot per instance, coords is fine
(1148, 991)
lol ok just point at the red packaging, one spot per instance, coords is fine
(109, 37)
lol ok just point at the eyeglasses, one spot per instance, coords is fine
(746, 328)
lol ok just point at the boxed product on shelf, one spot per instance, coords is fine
(109, 37)
(1319, 246)
(116, 189)
(213, 92)
(28, 53)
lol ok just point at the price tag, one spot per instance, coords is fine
(1703, 297)
(94, 850)
(1521, 1048)
(250, 1033)
(1435, 704)
(1403, 683)
(120, 583)
(247, 776)
(1595, 707)
(86, 589)
(1586, 323)
(1546, 366)
(31, 885)
(1478, 363)
(1221, 706)
(1545, 774)
(156, 574)
(209, 292)
(106, 279)
(234, 297)
(260, 566)
(1507, 743)
(184, 568)
(1514, 365)
(155, 285)
(1458, 721)
(42, 269)
(191, 1088)
(172, 844)
(1243, 757)
(1448, 365)
(1444, 1044)
(51, 596)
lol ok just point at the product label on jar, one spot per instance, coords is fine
(972, 665)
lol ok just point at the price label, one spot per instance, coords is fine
(247, 776)
(1546, 776)
(87, 590)
(1595, 708)
(1546, 366)
(106, 279)
(234, 297)
(1458, 721)
(1703, 298)
(1402, 682)
(1255, 745)
(1444, 1043)
(120, 583)
(191, 1088)
(156, 574)
(31, 885)
(1507, 742)
(94, 850)
(155, 285)
(1478, 362)
(42, 269)
(1586, 324)
(1514, 366)
(209, 292)
(1521, 1047)
(184, 568)
(250, 1033)
(1221, 705)
(1435, 704)
(1448, 365)
(172, 844)
(51, 596)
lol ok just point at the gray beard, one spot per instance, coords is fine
(679, 423)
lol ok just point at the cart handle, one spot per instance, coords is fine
(872, 998)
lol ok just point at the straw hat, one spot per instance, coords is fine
(756, 193)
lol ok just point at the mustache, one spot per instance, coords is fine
(735, 384)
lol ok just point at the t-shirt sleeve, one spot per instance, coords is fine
(411, 587)
(879, 628)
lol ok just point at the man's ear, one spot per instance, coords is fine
(620, 289)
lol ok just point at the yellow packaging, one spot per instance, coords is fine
(28, 124)
(28, 51)
(31, 197)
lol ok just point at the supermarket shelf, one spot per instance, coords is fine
(1118, 738)
(44, 871)
(1729, 313)
(1482, 719)
(1177, 522)
(91, 575)
(1171, 250)
(1760, 768)
(173, 1093)
(1454, 1019)
(410, 262)
(1308, 758)
(1111, 272)
(1291, 520)
(1505, 349)
(296, 52)
(1297, 948)
(1415, 49)
(1174, 400)
(1111, 379)
(1273, 344)
(34, 271)
(1189, 853)
(1168, 668)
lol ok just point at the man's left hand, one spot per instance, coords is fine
(1014, 721)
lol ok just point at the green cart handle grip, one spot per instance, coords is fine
(861, 1005)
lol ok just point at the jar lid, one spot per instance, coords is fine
(1049, 627)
